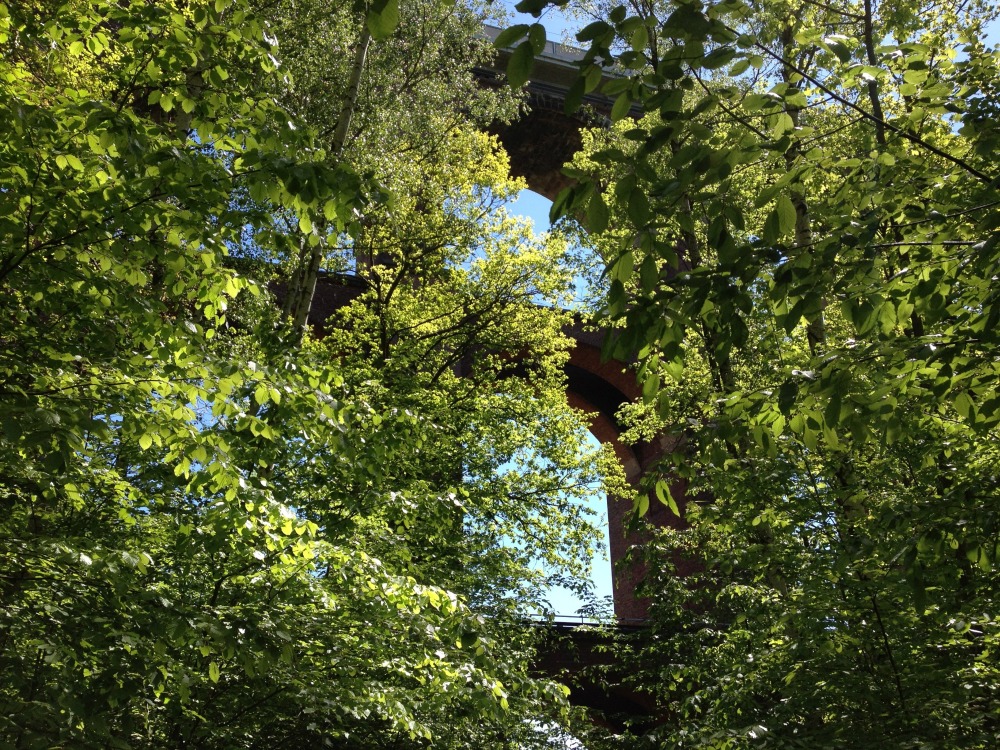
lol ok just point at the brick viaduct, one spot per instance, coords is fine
(539, 144)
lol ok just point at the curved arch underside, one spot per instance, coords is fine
(544, 138)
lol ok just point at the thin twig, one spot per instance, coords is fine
(916, 140)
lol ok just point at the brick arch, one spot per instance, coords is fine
(600, 387)
(539, 143)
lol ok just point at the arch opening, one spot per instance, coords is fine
(598, 388)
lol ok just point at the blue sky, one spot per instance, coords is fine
(556, 22)
(536, 208)
(562, 601)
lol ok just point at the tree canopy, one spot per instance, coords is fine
(228, 523)
(221, 528)
(800, 237)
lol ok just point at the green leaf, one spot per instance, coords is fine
(649, 274)
(563, 204)
(831, 416)
(787, 394)
(261, 394)
(597, 214)
(640, 38)
(592, 77)
(534, 7)
(383, 18)
(841, 50)
(719, 57)
(213, 671)
(594, 30)
(964, 405)
(621, 106)
(686, 22)
(786, 215)
(574, 96)
(672, 101)
(520, 65)
(665, 496)
(651, 387)
(739, 67)
(623, 267)
(510, 35)
(639, 210)
(772, 227)
(536, 36)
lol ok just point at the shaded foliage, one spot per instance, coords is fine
(800, 241)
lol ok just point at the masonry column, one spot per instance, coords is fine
(601, 388)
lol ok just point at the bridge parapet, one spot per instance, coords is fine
(545, 138)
